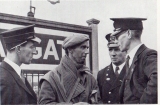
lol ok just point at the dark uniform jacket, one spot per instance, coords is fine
(109, 84)
(12, 88)
(143, 78)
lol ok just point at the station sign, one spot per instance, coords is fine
(49, 50)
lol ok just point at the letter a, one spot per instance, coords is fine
(48, 51)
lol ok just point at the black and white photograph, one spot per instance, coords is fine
(79, 52)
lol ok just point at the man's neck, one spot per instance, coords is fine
(133, 44)
(118, 64)
(14, 59)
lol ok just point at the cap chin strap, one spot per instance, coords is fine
(18, 45)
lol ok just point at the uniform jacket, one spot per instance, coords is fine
(109, 84)
(56, 85)
(143, 78)
(12, 88)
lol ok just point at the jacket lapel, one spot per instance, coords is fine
(15, 76)
(79, 89)
(139, 51)
(59, 80)
(119, 80)
(28, 86)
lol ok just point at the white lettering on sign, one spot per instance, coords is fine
(61, 42)
(2, 53)
(39, 49)
(51, 45)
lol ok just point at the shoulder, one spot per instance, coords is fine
(89, 74)
(102, 71)
(47, 77)
(5, 77)
(149, 54)
(4, 73)
(149, 51)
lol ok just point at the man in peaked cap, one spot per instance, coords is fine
(140, 82)
(20, 46)
(71, 82)
(110, 78)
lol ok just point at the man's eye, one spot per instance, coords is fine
(32, 47)
(117, 49)
(84, 47)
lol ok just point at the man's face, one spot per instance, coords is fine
(26, 52)
(123, 41)
(80, 52)
(117, 57)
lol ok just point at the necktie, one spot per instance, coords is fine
(116, 71)
(127, 65)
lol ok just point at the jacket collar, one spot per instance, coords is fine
(136, 57)
(68, 74)
(139, 51)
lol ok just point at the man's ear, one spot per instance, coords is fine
(129, 34)
(70, 50)
(18, 49)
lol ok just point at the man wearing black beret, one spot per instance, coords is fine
(71, 82)
(20, 46)
(140, 82)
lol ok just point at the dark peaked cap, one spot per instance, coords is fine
(122, 24)
(111, 41)
(18, 36)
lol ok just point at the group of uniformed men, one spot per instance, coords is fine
(131, 78)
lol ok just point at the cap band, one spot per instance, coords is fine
(18, 45)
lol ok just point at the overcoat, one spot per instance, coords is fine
(143, 78)
(109, 84)
(52, 93)
(58, 82)
(13, 89)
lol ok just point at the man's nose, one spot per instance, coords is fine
(87, 51)
(35, 52)
(113, 52)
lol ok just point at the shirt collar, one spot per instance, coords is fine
(14, 66)
(133, 52)
(120, 67)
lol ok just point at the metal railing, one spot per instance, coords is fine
(33, 77)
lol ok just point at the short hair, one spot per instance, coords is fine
(136, 33)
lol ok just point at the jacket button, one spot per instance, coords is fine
(109, 101)
(107, 79)
(109, 92)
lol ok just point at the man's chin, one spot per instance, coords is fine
(114, 62)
